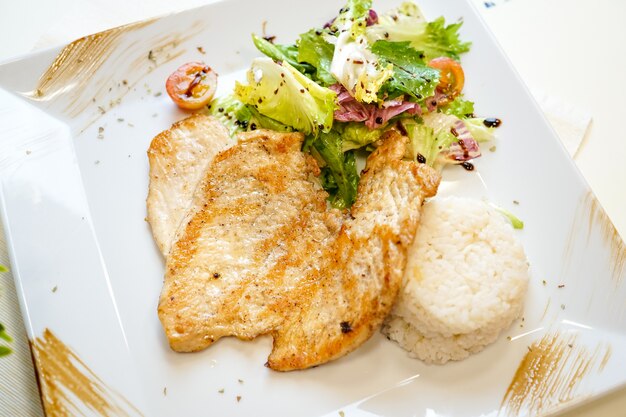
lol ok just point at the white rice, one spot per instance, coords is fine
(465, 281)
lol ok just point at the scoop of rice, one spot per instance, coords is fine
(465, 281)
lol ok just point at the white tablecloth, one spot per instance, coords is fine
(571, 54)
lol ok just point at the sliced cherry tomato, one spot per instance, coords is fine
(451, 76)
(192, 85)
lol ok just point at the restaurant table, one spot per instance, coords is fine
(571, 55)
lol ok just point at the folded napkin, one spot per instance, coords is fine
(569, 122)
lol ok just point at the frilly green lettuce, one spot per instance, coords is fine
(352, 18)
(279, 91)
(407, 23)
(358, 69)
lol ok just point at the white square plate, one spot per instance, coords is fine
(73, 183)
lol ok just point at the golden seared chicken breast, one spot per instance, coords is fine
(260, 252)
(179, 157)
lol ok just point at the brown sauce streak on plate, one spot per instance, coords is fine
(79, 60)
(545, 310)
(67, 385)
(591, 211)
(77, 80)
(550, 373)
(605, 359)
(599, 218)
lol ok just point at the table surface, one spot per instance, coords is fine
(571, 50)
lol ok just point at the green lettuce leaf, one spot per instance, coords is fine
(407, 23)
(479, 131)
(422, 142)
(280, 92)
(226, 110)
(315, 50)
(353, 17)
(239, 117)
(357, 135)
(339, 176)
(460, 108)
(287, 53)
(429, 138)
(516, 222)
(410, 74)
(440, 40)
(408, 9)
(257, 120)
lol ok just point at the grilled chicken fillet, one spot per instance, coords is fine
(179, 158)
(259, 251)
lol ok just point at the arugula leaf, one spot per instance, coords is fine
(410, 74)
(339, 176)
(314, 49)
(288, 53)
(460, 108)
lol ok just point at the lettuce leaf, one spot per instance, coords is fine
(239, 117)
(440, 40)
(407, 23)
(353, 64)
(422, 142)
(516, 222)
(226, 109)
(410, 74)
(352, 18)
(339, 176)
(286, 53)
(315, 50)
(459, 107)
(357, 68)
(479, 130)
(440, 139)
(280, 92)
(357, 135)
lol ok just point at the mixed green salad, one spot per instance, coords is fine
(346, 83)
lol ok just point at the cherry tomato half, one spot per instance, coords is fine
(192, 85)
(451, 76)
